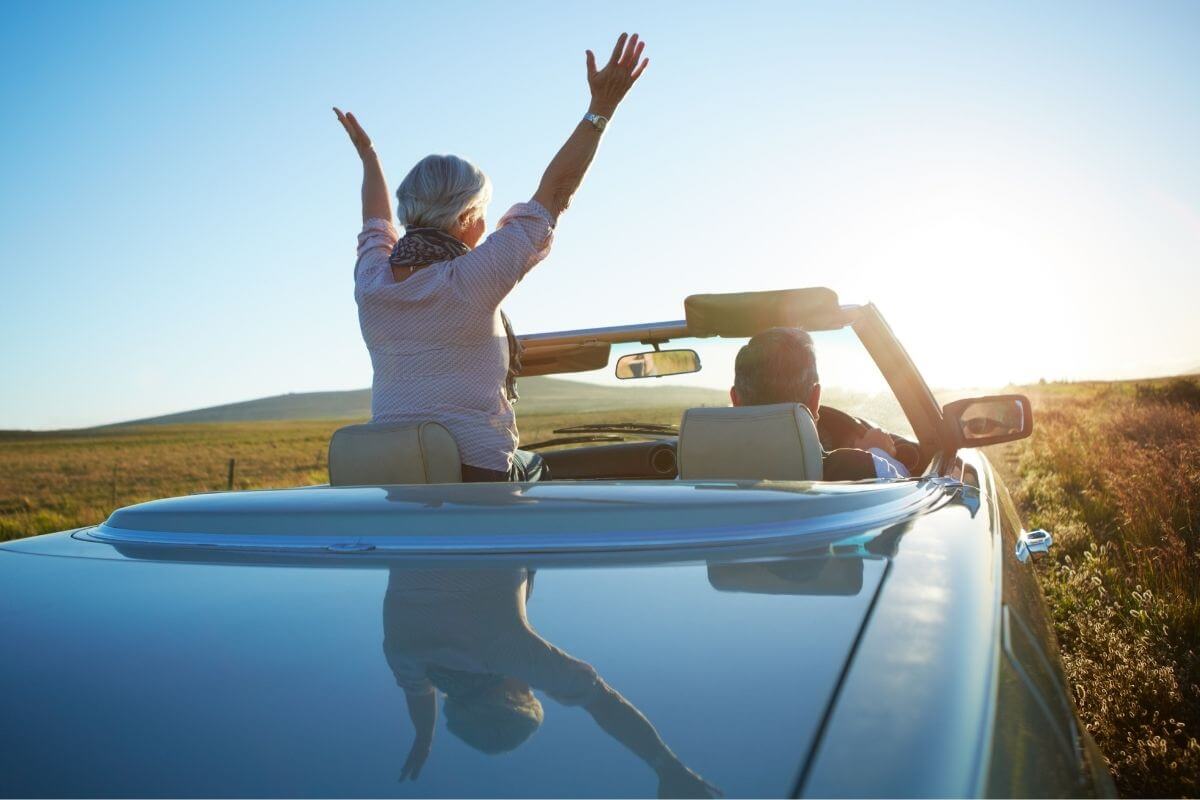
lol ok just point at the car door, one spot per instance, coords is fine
(1039, 748)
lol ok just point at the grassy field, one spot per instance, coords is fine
(1113, 470)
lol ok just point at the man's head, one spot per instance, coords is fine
(777, 366)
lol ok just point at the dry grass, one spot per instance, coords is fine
(1113, 471)
(55, 481)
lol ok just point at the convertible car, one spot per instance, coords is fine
(683, 610)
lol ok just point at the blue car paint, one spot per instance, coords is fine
(846, 662)
(136, 672)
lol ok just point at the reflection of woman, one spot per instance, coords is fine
(637, 365)
(465, 633)
(429, 303)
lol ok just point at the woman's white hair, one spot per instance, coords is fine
(438, 190)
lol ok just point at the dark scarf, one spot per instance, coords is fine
(459, 683)
(421, 247)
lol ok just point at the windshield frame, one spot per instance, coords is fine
(916, 400)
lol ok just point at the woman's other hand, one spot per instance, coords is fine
(676, 780)
(609, 87)
(358, 137)
(610, 84)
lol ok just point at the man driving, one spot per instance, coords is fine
(779, 365)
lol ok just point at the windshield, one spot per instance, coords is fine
(850, 382)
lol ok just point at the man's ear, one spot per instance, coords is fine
(733, 396)
(814, 401)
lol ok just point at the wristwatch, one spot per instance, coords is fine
(598, 122)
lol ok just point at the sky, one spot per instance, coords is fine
(1015, 185)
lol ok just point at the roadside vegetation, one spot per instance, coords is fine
(1113, 472)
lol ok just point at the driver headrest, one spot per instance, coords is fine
(771, 443)
(376, 454)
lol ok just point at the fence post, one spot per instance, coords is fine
(232, 467)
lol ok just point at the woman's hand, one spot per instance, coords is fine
(422, 710)
(676, 780)
(376, 203)
(417, 755)
(609, 85)
(358, 137)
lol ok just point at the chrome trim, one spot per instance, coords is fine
(1033, 544)
(616, 334)
(821, 531)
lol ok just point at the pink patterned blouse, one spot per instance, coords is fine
(436, 341)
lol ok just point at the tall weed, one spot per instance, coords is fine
(1115, 475)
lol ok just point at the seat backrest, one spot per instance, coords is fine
(380, 453)
(770, 443)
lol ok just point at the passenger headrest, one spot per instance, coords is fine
(380, 453)
(768, 443)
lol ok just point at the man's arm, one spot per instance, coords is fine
(608, 86)
(881, 446)
(376, 203)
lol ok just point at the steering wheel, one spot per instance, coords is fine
(838, 429)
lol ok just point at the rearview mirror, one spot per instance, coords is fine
(657, 363)
(980, 421)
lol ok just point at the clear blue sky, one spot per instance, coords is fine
(1017, 185)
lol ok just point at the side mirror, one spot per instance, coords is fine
(980, 421)
(657, 363)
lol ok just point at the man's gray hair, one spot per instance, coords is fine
(438, 190)
(778, 365)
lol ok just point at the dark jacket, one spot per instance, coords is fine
(848, 464)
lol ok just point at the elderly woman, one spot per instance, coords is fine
(429, 303)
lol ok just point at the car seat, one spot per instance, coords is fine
(776, 443)
(375, 454)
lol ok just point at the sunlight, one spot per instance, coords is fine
(969, 268)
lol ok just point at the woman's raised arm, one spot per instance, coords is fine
(609, 86)
(376, 203)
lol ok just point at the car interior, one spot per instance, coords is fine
(779, 442)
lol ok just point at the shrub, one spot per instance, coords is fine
(1116, 476)
(1180, 391)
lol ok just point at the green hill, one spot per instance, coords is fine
(538, 396)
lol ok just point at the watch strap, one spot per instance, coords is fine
(598, 122)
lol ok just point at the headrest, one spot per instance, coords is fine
(380, 453)
(766, 443)
(799, 576)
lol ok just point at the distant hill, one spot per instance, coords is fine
(538, 396)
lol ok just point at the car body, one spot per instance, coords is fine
(872, 638)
